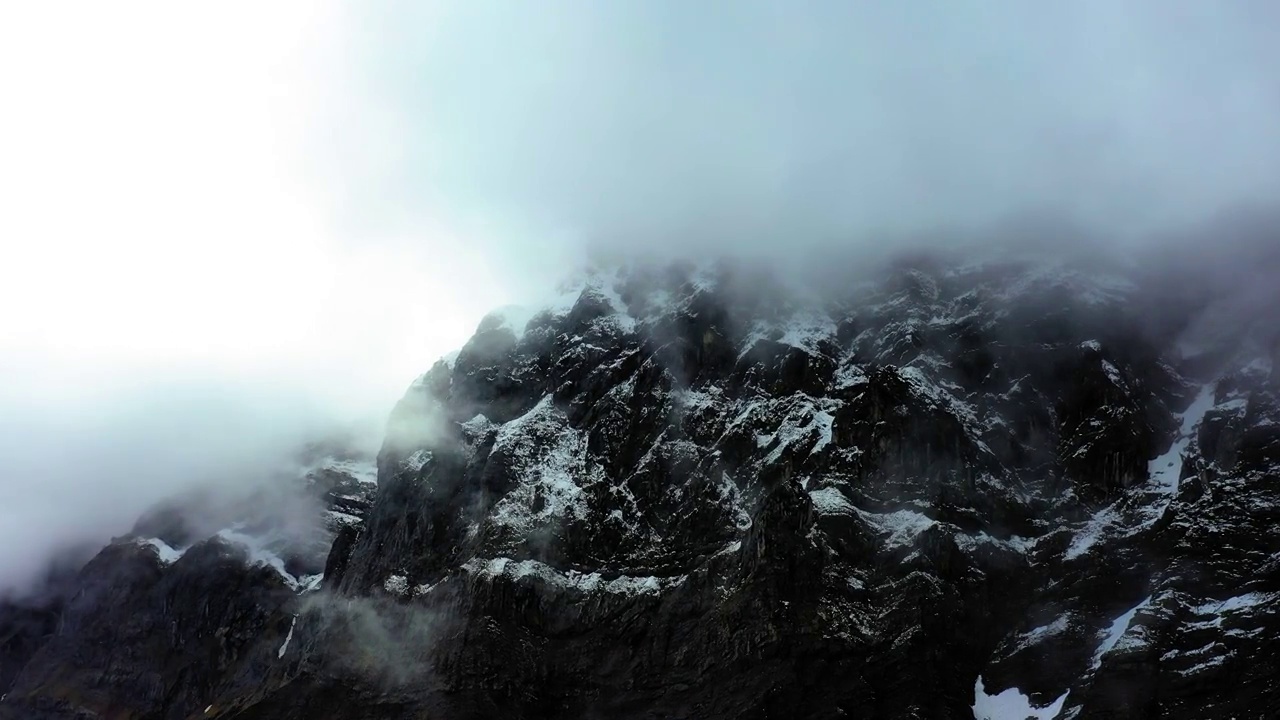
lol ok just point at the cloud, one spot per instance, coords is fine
(183, 301)
(751, 125)
(225, 225)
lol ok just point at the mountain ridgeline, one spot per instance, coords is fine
(999, 489)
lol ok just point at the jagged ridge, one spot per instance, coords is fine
(689, 492)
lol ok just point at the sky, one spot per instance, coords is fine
(225, 225)
(817, 122)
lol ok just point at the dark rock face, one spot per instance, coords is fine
(142, 638)
(688, 493)
(28, 620)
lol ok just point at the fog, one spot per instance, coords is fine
(182, 302)
(757, 124)
(225, 228)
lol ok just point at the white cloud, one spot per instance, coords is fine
(182, 295)
(279, 213)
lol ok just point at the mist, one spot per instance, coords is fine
(80, 470)
(224, 229)
(183, 307)
(753, 126)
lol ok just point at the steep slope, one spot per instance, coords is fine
(687, 491)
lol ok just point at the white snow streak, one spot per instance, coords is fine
(1118, 628)
(1037, 635)
(1217, 609)
(1165, 469)
(1163, 472)
(583, 582)
(285, 645)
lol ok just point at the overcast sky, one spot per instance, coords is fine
(785, 121)
(232, 218)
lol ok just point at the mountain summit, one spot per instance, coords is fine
(939, 489)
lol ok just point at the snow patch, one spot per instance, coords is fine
(731, 499)
(807, 329)
(1113, 374)
(339, 518)
(627, 585)
(166, 552)
(830, 501)
(1014, 543)
(901, 526)
(414, 462)
(1237, 406)
(1116, 632)
(285, 645)
(1037, 635)
(824, 421)
(516, 318)
(1164, 470)
(691, 401)
(550, 459)
(944, 400)
(1011, 705)
(396, 585)
(1089, 535)
(851, 375)
(1163, 473)
(260, 554)
(364, 471)
(1240, 603)
(1205, 665)
(807, 421)
(476, 425)
(621, 317)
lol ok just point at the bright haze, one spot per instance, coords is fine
(225, 227)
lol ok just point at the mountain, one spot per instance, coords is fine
(153, 620)
(934, 488)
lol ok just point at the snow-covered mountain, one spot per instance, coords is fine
(998, 489)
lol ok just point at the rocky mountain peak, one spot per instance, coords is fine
(928, 489)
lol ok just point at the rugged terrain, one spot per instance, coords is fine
(944, 489)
